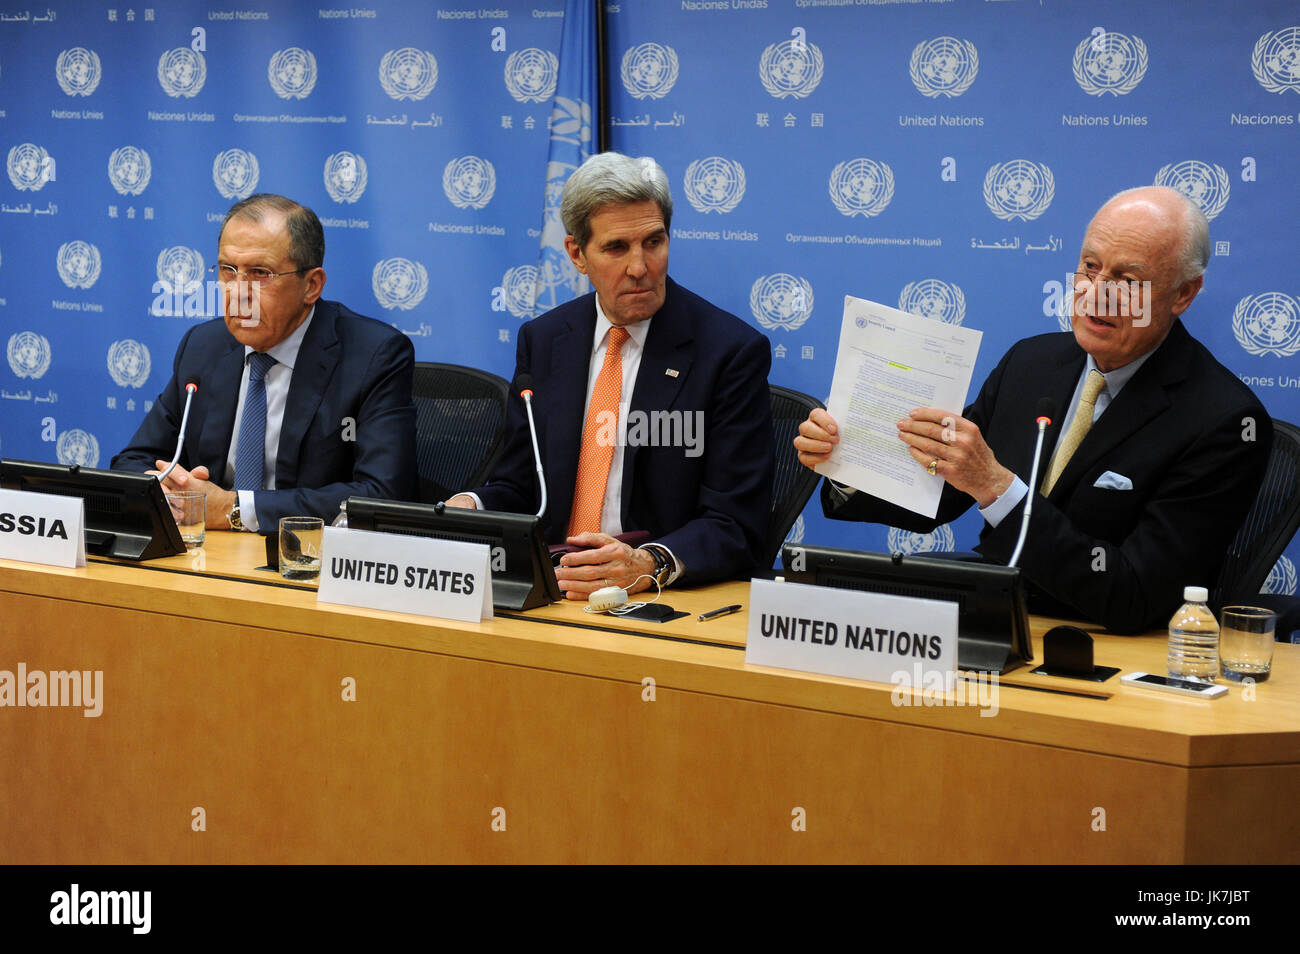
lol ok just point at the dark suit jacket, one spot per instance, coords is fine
(1193, 440)
(711, 510)
(349, 367)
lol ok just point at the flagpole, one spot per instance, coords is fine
(602, 81)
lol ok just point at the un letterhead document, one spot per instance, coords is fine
(890, 362)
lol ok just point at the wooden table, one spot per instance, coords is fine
(557, 736)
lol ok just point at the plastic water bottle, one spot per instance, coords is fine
(342, 519)
(1194, 638)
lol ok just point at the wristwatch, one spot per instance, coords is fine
(663, 565)
(235, 522)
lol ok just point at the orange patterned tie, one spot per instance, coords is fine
(598, 436)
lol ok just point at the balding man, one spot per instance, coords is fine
(1157, 457)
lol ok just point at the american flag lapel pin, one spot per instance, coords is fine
(671, 372)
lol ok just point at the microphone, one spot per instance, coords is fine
(524, 385)
(1045, 411)
(191, 387)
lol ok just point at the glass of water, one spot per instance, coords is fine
(300, 542)
(189, 508)
(1246, 642)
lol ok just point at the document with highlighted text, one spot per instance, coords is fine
(890, 362)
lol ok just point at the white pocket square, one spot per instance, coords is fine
(1113, 481)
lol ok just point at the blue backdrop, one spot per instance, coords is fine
(940, 156)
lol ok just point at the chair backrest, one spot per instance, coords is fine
(1269, 525)
(459, 425)
(794, 482)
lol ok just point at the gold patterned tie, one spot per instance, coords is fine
(1072, 438)
(598, 437)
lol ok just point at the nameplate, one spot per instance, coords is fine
(890, 639)
(42, 528)
(446, 579)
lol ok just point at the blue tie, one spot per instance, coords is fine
(250, 455)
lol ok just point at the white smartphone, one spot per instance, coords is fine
(1147, 680)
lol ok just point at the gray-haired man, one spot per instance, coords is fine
(652, 405)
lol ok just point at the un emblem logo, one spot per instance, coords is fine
(715, 184)
(1019, 189)
(934, 299)
(79, 264)
(292, 73)
(77, 448)
(781, 301)
(907, 543)
(793, 68)
(235, 173)
(1063, 307)
(1281, 579)
(571, 124)
(796, 531)
(182, 72)
(944, 66)
(1110, 63)
(531, 75)
(78, 71)
(519, 286)
(649, 70)
(345, 176)
(408, 73)
(1268, 324)
(861, 187)
(29, 354)
(1276, 63)
(399, 283)
(1204, 183)
(180, 268)
(29, 166)
(128, 363)
(469, 182)
(129, 170)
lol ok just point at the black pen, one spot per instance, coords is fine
(714, 614)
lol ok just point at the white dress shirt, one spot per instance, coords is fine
(277, 395)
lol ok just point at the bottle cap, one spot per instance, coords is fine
(1195, 594)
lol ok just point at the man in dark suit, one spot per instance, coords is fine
(301, 403)
(652, 405)
(1158, 454)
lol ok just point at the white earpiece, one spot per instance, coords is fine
(606, 599)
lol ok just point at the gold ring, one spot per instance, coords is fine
(933, 468)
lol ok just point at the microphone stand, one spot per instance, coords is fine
(189, 396)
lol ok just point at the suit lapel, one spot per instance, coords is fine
(665, 364)
(1063, 379)
(1143, 398)
(564, 419)
(318, 357)
(216, 430)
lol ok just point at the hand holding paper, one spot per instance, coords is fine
(890, 364)
(957, 449)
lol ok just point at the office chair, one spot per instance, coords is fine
(1268, 528)
(794, 483)
(459, 426)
